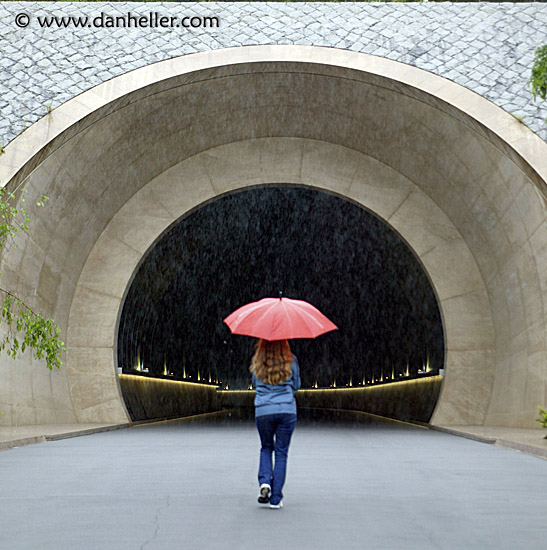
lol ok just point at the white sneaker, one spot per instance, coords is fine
(277, 506)
(264, 493)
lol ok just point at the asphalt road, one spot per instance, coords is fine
(192, 485)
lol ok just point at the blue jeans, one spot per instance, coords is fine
(275, 432)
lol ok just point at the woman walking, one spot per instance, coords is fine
(276, 376)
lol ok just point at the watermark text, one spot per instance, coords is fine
(150, 20)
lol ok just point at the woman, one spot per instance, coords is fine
(276, 377)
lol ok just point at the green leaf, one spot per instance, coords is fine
(31, 329)
(538, 79)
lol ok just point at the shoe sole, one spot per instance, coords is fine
(264, 496)
(276, 506)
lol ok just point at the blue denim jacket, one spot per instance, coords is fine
(273, 399)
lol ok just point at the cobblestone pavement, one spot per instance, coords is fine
(486, 47)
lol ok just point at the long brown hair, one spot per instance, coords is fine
(272, 361)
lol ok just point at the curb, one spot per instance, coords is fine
(523, 448)
(466, 435)
(5, 445)
(67, 435)
(505, 443)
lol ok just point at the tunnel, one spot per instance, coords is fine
(460, 181)
(299, 242)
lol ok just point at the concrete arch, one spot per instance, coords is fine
(460, 180)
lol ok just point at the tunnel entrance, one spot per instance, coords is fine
(455, 176)
(307, 244)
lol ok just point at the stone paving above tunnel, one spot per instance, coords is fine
(487, 47)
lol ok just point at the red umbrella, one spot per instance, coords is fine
(279, 319)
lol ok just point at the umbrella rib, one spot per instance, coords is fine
(287, 316)
(245, 314)
(265, 314)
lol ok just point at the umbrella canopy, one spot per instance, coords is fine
(279, 319)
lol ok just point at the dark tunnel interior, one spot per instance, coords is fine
(307, 244)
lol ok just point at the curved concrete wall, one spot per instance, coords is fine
(460, 180)
(156, 398)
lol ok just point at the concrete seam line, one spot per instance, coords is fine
(5, 445)
(88, 431)
(522, 447)
(474, 437)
